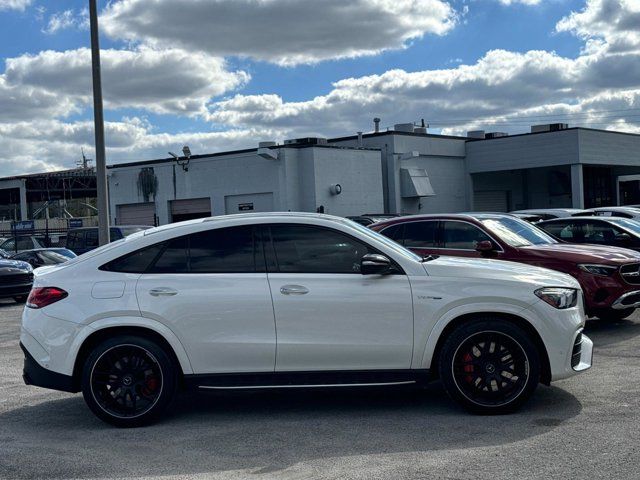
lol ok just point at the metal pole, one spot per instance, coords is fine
(101, 169)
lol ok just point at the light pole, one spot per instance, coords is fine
(98, 116)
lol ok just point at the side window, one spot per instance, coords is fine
(302, 249)
(174, 257)
(91, 238)
(420, 234)
(136, 262)
(71, 240)
(25, 243)
(462, 236)
(600, 232)
(562, 230)
(393, 232)
(115, 234)
(226, 250)
(9, 245)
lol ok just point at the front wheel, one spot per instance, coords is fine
(129, 381)
(489, 366)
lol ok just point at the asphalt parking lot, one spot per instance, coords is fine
(584, 427)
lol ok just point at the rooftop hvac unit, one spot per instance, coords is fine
(403, 127)
(306, 141)
(496, 134)
(549, 127)
(476, 134)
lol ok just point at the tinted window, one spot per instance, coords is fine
(302, 249)
(174, 258)
(91, 238)
(516, 232)
(394, 232)
(72, 239)
(462, 235)
(602, 233)
(420, 234)
(114, 234)
(564, 230)
(136, 262)
(227, 250)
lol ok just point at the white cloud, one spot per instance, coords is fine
(615, 23)
(166, 81)
(51, 144)
(19, 5)
(67, 19)
(286, 32)
(524, 2)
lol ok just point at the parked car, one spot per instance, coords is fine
(370, 218)
(16, 278)
(613, 231)
(607, 274)
(527, 217)
(204, 299)
(82, 240)
(549, 213)
(45, 256)
(4, 254)
(624, 212)
(22, 243)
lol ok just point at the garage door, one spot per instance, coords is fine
(491, 201)
(136, 214)
(190, 208)
(251, 202)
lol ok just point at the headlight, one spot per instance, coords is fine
(603, 270)
(558, 297)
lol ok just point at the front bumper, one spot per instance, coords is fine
(9, 291)
(627, 300)
(582, 353)
(34, 374)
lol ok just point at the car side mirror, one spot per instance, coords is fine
(485, 246)
(375, 264)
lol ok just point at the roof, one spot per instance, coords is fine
(571, 129)
(73, 172)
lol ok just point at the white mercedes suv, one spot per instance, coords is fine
(293, 300)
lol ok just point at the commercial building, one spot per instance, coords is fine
(403, 170)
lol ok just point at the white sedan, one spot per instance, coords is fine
(293, 300)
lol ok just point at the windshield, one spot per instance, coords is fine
(630, 225)
(516, 233)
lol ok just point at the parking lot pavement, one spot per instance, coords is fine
(587, 426)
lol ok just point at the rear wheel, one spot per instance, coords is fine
(489, 366)
(129, 381)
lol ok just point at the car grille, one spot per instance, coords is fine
(577, 351)
(17, 279)
(631, 273)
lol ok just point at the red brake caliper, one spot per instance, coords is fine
(468, 368)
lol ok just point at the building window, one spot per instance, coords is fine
(598, 187)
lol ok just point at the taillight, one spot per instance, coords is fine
(42, 296)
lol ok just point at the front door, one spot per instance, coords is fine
(211, 290)
(328, 315)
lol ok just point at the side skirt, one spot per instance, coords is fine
(324, 379)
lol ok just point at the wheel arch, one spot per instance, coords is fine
(523, 323)
(97, 336)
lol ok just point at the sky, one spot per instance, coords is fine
(225, 74)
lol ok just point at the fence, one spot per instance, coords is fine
(26, 235)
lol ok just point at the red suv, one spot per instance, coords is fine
(609, 276)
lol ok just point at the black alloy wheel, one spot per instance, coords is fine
(129, 381)
(490, 366)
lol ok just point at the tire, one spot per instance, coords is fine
(20, 299)
(469, 369)
(614, 315)
(129, 381)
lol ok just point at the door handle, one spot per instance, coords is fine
(162, 292)
(293, 290)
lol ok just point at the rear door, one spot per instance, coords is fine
(211, 289)
(328, 315)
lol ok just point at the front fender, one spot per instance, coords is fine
(120, 322)
(428, 337)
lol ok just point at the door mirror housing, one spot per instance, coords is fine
(375, 264)
(485, 246)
